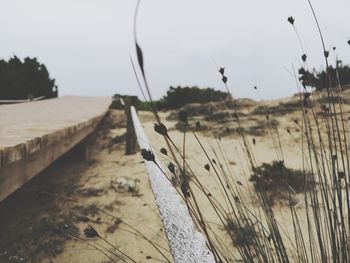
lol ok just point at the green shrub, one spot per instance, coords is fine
(321, 79)
(176, 98)
(180, 96)
(139, 105)
(19, 80)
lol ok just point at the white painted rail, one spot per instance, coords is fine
(186, 244)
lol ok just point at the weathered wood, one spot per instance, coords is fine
(185, 242)
(131, 143)
(21, 101)
(34, 134)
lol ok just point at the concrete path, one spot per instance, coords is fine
(35, 134)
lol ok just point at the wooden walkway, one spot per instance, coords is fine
(34, 134)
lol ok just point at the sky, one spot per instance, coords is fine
(86, 44)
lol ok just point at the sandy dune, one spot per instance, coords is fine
(94, 179)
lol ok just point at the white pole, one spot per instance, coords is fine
(186, 244)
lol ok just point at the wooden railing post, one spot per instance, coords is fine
(131, 143)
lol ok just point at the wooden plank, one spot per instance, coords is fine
(21, 101)
(35, 134)
(130, 131)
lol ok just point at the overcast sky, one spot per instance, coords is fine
(86, 43)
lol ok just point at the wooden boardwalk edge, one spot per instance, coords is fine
(21, 162)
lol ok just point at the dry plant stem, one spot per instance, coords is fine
(140, 60)
(93, 246)
(150, 241)
(335, 220)
(198, 215)
(154, 245)
(327, 224)
(194, 211)
(117, 249)
(138, 80)
(246, 252)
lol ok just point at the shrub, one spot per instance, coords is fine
(20, 79)
(278, 181)
(180, 96)
(243, 234)
(177, 98)
(320, 79)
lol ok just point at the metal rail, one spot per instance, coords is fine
(185, 242)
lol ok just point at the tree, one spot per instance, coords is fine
(180, 96)
(326, 79)
(18, 79)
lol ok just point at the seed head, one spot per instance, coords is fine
(304, 57)
(307, 95)
(207, 167)
(171, 168)
(161, 129)
(280, 164)
(148, 155)
(222, 70)
(185, 188)
(224, 79)
(324, 108)
(349, 42)
(90, 232)
(164, 151)
(326, 54)
(341, 174)
(291, 20)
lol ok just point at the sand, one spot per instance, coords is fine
(35, 219)
(91, 176)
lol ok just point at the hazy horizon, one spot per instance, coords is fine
(86, 44)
